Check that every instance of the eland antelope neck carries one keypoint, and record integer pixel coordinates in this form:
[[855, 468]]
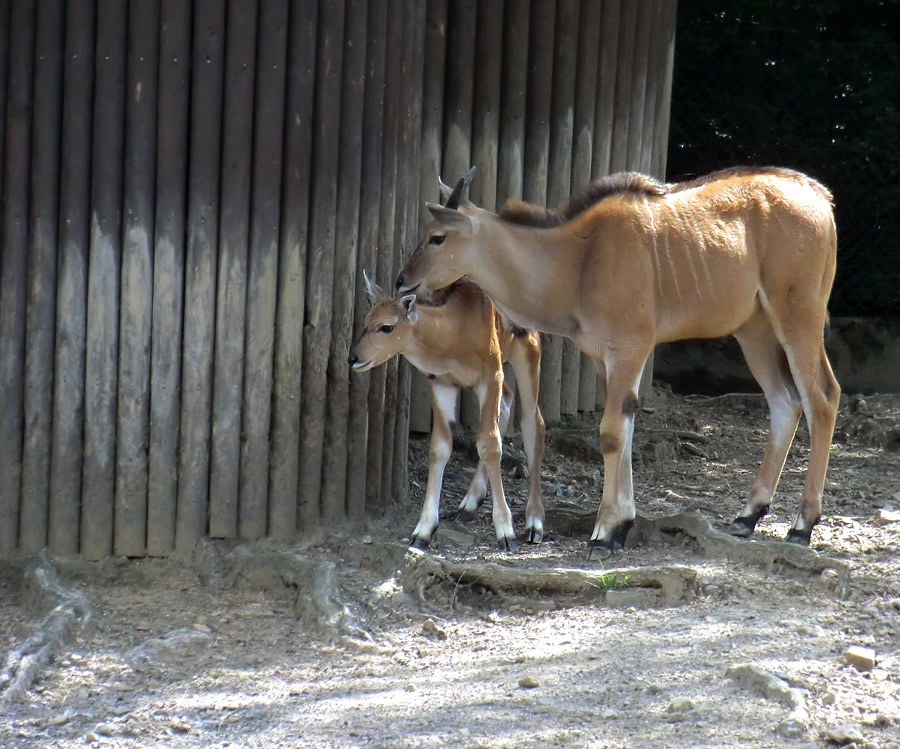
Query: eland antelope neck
[[631, 263], [463, 343]]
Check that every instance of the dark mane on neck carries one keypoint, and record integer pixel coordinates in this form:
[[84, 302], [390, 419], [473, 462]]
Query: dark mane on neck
[[516, 212]]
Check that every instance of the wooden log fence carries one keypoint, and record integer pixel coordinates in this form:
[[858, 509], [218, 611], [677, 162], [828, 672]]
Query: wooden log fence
[[190, 193]]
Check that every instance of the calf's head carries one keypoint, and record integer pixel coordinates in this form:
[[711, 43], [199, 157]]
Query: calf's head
[[387, 331]]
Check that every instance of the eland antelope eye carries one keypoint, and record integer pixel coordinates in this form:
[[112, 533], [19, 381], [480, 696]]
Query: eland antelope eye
[[437, 239], [386, 329]]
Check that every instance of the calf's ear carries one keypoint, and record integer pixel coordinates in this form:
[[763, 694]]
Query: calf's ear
[[408, 306]]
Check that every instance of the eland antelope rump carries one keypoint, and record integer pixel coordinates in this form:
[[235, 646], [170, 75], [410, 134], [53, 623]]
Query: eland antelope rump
[[632, 263], [463, 343]]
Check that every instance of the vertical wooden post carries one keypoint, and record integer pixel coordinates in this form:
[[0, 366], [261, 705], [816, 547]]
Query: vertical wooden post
[[619, 156], [41, 303], [601, 159], [13, 265], [168, 273], [361, 452], [231, 286], [430, 166], [200, 272], [262, 269], [664, 90], [511, 147], [537, 157], [334, 465], [562, 354], [414, 40], [383, 387], [320, 258], [586, 89], [72, 269], [136, 308], [101, 365], [293, 238], [459, 88]]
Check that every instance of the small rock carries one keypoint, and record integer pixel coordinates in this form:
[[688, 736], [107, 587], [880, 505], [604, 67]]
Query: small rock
[[90, 737], [829, 698], [681, 705], [59, 718], [528, 682], [862, 659], [886, 517], [410, 687], [844, 734], [654, 689], [202, 627], [452, 537], [791, 728], [105, 729], [609, 714], [675, 717], [430, 629]]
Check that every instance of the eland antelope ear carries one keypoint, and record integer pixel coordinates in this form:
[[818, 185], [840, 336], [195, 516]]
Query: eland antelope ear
[[408, 306], [451, 217], [373, 289]]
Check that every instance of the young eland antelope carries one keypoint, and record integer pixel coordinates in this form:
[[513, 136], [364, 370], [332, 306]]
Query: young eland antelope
[[463, 343], [631, 263]]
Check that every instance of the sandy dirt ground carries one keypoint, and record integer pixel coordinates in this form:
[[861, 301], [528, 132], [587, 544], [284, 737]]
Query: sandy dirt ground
[[185, 654]]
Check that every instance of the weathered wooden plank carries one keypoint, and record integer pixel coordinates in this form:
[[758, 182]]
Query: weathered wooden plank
[[13, 267], [408, 197], [231, 285], [200, 271], [136, 312], [638, 88], [486, 107], [664, 89], [586, 87], [511, 149], [262, 280], [601, 159], [655, 56], [72, 271], [619, 155], [393, 105], [101, 362], [462, 24], [536, 168], [563, 354], [358, 457], [293, 239], [168, 273], [41, 303], [435, 53], [320, 258], [606, 88], [334, 466]]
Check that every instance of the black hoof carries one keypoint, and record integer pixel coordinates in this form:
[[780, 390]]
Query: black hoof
[[610, 543], [507, 544], [801, 538], [463, 517], [419, 543], [743, 527], [534, 536]]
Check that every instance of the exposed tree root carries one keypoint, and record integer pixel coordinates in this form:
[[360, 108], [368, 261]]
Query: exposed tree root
[[712, 542], [669, 585], [70, 610], [318, 597]]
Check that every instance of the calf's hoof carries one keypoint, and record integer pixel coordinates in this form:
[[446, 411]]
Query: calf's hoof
[[743, 526], [533, 535], [419, 543], [610, 542], [507, 544], [801, 538]]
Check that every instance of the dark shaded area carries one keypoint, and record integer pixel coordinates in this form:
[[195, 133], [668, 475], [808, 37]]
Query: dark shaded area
[[809, 86]]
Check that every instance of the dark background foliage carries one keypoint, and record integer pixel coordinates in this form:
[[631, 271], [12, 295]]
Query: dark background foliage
[[814, 86]]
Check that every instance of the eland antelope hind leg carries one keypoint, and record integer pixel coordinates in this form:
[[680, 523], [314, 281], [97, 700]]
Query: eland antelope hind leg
[[478, 486], [525, 358]]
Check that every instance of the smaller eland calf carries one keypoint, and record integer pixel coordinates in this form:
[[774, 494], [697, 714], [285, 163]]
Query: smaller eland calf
[[462, 342]]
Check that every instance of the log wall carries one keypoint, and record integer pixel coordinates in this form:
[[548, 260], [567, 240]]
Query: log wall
[[190, 193]]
